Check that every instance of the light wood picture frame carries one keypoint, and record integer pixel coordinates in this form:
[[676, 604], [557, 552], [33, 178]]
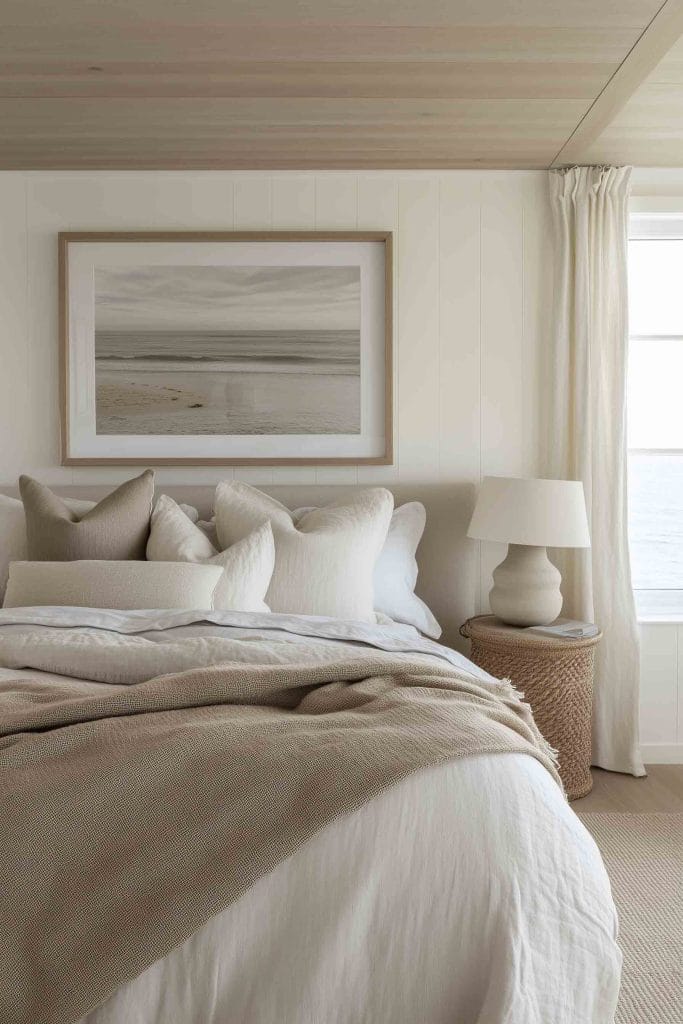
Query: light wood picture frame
[[226, 348]]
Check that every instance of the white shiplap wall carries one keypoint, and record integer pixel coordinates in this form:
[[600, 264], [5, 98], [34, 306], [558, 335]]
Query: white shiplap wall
[[472, 291], [661, 692]]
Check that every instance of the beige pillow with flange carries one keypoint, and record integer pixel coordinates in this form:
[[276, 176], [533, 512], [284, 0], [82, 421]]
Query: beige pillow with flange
[[116, 528], [13, 544]]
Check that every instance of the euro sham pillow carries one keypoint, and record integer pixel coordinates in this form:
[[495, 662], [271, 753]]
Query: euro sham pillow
[[396, 570], [115, 529], [247, 565], [13, 542], [323, 564], [125, 585]]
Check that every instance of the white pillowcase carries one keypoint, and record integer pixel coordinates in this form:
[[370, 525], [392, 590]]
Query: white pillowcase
[[396, 569], [125, 585], [13, 544], [247, 565], [324, 564]]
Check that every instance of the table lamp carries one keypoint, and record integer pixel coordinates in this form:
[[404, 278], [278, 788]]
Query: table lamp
[[529, 515]]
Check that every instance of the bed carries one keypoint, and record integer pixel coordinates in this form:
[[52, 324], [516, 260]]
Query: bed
[[460, 889]]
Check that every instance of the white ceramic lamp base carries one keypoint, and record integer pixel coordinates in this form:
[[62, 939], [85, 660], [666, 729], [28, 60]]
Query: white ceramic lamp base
[[526, 589]]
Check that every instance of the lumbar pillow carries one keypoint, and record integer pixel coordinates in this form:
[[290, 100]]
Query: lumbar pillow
[[247, 565], [114, 529], [324, 564], [112, 584], [396, 569]]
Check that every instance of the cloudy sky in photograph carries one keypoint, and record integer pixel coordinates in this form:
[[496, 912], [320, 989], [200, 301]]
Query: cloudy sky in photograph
[[227, 298]]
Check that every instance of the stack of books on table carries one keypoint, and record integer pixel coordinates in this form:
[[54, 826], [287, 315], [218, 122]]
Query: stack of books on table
[[567, 629]]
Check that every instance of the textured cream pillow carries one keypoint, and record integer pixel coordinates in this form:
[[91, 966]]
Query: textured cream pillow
[[396, 568], [324, 564], [103, 584], [247, 565], [115, 528]]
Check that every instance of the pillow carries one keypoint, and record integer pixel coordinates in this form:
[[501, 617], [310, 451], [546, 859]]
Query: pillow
[[396, 569], [247, 565], [324, 564], [208, 528], [108, 584], [13, 543], [116, 528]]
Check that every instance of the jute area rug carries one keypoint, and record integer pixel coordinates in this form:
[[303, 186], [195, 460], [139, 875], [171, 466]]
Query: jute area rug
[[644, 858]]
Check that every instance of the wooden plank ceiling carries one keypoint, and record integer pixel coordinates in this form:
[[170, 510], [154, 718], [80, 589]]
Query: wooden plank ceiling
[[324, 83]]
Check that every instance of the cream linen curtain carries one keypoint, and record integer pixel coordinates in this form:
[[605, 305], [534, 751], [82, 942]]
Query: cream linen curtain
[[586, 436]]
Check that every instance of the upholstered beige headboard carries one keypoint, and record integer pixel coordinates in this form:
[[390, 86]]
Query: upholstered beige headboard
[[449, 564]]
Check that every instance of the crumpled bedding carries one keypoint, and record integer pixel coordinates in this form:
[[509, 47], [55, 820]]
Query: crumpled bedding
[[483, 899]]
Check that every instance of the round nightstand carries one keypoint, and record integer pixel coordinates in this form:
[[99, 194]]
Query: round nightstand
[[556, 677]]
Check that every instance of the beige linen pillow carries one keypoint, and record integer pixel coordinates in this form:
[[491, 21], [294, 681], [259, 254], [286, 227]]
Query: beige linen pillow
[[247, 565], [112, 584], [13, 543], [324, 564], [116, 528]]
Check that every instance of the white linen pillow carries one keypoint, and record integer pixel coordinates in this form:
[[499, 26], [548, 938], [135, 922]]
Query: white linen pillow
[[13, 541], [396, 569], [247, 565], [324, 564], [124, 585]]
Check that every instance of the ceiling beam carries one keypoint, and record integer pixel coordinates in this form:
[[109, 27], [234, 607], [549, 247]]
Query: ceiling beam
[[654, 43]]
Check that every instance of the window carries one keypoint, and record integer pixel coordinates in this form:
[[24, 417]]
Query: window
[[655, 414]]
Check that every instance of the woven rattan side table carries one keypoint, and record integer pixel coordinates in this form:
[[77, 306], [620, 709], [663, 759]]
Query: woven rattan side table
[[556, 678]]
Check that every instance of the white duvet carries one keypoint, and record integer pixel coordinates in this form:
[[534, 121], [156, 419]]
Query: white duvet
[[482, 900]]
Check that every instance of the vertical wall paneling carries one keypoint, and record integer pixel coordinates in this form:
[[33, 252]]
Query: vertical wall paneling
[[417, 340], [50, 208], [336, 202], [378, 211], [537, 267], [293, 202], [459, 287], [15, 380], [253, 203], [659, 692], [294, 207], [336, 209], [502, 341]]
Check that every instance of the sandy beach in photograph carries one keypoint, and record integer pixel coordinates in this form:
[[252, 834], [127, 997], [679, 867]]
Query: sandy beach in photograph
[[285, 400], [227, 350]]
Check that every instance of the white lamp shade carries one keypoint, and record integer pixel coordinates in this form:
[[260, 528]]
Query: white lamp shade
[[544, 513]]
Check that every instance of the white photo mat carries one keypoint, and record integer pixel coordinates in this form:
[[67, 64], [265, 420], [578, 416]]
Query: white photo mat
[[83, 254]]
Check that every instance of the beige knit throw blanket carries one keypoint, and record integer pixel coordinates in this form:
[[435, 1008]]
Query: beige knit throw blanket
[[131, 814]]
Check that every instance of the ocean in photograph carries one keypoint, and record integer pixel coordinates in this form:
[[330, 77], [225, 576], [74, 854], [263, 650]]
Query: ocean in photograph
[[656, 531], [227, 382]]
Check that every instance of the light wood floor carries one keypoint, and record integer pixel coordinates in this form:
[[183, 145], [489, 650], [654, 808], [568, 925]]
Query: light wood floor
[[661, 791]]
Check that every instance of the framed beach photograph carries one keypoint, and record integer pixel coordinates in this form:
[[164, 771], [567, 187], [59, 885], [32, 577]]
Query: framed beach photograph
[[226, 348]]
